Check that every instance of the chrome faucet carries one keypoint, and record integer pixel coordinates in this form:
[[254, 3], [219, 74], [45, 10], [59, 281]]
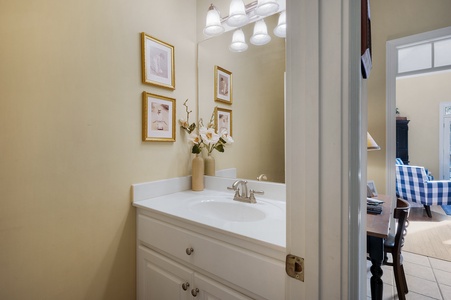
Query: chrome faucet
[[243, 184], [242, 194]]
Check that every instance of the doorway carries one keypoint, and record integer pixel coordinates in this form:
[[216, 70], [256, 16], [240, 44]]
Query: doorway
[[410, 56]]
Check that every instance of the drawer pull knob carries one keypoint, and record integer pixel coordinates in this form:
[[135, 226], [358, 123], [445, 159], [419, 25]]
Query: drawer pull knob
[[189, 250], [185, 286], [194, 292]]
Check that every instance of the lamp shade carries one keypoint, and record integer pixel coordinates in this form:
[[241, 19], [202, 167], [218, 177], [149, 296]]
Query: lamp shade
[[237, 14], [266, 7], [238, 42], [371, 144], [213, 24], [260, 36], [281, 28]]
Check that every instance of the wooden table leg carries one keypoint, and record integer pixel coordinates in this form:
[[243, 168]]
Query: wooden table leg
[[375, 248]]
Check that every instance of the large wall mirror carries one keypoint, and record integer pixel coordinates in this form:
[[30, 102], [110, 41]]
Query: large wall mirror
[[258, 102]]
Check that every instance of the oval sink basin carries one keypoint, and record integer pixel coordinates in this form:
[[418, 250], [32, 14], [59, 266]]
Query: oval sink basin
[[229, 211]]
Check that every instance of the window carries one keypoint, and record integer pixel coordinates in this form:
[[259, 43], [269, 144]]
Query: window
[[433, 55], [442, 53], [415, 58]]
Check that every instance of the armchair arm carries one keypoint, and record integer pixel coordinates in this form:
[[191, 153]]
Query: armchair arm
[[438, 192]]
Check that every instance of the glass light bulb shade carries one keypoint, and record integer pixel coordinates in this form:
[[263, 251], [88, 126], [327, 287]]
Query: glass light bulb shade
[[213, 24], [238, 42], [266, 7], [237, 14], [260, 36], [281, 29]]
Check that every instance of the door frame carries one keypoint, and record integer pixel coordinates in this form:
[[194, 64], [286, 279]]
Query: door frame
[[444, 142], [326, 149]]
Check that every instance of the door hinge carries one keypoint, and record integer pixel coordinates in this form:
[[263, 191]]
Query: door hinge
[[294, 266]]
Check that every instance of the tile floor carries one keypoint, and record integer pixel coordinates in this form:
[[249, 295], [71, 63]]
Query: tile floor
[[427, 278]]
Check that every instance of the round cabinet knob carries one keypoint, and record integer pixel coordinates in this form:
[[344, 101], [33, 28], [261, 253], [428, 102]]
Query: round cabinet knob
[[189, 250], [194, 292], [185, 286]]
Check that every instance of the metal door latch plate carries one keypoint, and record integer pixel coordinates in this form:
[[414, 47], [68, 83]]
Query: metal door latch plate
[[294, 266]]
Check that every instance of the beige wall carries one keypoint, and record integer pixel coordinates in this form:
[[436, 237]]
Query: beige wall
[[392, 20], [257, 106], [418, 98], [70, 141]]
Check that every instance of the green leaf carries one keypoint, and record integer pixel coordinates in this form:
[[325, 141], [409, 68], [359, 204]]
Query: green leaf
[[220, 148], [196, 149], [192, 127]]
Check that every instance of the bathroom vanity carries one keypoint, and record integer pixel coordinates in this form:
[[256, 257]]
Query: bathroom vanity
[[205, 245]]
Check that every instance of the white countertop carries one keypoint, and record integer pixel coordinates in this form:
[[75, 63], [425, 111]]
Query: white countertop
[[263, 221]]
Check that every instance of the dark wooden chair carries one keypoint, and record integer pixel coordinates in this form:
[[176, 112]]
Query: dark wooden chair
[[393, 245]]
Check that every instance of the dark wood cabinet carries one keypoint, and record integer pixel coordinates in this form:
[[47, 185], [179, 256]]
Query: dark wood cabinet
[[402, 140]]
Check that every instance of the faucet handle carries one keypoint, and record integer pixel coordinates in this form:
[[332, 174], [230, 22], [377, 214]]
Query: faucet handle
[[262, 177], [252, 195], [257, 192], [236, 189]]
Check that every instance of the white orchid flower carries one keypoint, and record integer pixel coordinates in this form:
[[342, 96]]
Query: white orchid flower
[[209, 135], [194, 138], [226, 137], [184, 123]]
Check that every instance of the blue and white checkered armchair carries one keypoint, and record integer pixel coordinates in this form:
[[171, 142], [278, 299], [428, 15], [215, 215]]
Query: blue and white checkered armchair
[[414, 185]]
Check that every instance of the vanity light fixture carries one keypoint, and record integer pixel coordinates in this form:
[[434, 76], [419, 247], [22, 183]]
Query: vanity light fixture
[[237, 14], [260, 36], [281, 28], [240, 15], [213, 26], [238, 41], [266, 7]]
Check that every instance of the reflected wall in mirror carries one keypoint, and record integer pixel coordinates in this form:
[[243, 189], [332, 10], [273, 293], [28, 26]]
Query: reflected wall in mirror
[[258, 102]]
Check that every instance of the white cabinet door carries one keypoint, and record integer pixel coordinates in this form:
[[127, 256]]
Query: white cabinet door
[[209, 289], [160, 278]]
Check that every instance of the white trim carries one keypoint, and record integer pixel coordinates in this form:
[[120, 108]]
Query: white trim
[[302, 89], [422, 37], [444, 142], [357, 155], [324, 149], [390, 154]]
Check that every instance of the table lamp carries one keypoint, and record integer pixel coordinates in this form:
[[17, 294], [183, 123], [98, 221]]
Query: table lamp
[[371, 144]]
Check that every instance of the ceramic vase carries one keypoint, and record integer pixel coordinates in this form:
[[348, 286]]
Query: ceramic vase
[[210, 165], [197, 174]]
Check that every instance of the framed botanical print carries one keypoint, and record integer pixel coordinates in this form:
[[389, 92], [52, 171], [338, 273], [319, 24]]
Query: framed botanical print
[[223, 85], [223, 120], [158, 62], [158, 118]]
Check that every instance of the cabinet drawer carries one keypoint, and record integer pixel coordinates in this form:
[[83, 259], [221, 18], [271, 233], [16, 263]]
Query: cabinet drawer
[[257, 273]]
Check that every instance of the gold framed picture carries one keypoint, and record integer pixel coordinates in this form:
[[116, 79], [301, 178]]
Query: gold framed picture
[[223, 85], [158, 62], [223, 120], [158, 118]]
